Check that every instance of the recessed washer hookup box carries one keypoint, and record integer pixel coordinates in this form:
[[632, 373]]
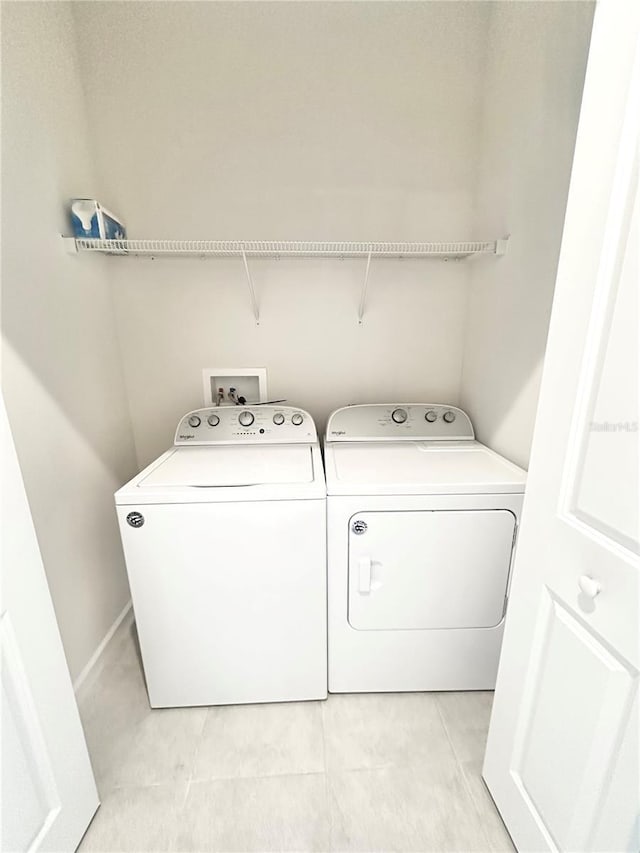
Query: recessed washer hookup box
[[91, 220]]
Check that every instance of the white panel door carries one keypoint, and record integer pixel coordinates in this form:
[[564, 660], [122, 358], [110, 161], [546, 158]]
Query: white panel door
[[48, 792], [429, 569], [563, 756]]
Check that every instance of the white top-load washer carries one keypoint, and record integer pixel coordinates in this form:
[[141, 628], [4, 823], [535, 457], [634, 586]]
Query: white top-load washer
[[225, 544], [421, 527]]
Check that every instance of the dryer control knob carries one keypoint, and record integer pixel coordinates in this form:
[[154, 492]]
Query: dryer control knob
[[278, 419], [194, 421], [245, 419], [399, 415], [449, 417], [296, 419], [213, 420], [431, 416]]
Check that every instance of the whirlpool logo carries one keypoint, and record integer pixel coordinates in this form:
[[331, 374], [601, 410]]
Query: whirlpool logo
[[338, 432], [185, 436]]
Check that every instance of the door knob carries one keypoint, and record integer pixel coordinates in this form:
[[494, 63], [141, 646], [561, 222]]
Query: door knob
[[589, 586]]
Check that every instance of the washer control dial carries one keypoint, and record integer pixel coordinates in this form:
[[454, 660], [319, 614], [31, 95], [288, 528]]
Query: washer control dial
[[245, 419], [399, 416], [431, 416], [194, 421], [278, 419], [449, 417], [297, 419], [213, 420]]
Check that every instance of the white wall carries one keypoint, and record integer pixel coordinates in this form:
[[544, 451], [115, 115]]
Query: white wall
[[278, 121], [177, 317], [62, 378], [533, 87], [336, 121]]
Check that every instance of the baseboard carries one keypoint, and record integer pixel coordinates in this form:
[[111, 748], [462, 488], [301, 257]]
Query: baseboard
[[95, 657]]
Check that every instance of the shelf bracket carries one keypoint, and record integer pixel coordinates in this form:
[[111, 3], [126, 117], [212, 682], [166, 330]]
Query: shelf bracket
[[363, 297], [252, 292], [501, 245]]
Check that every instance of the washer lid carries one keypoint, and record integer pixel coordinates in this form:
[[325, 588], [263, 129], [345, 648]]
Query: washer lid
[[429, 467], [232, 465]]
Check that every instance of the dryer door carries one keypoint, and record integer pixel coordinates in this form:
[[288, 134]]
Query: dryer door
[[429, 569]]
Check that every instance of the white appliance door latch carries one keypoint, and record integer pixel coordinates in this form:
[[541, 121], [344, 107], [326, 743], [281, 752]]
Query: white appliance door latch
[[364, 574]]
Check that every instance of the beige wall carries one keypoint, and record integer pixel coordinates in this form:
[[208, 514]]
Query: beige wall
[[533, 87], [61, 372], [329, 121], [325, 121]]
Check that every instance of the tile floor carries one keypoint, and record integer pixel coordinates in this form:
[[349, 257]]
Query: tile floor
[[385, 772]]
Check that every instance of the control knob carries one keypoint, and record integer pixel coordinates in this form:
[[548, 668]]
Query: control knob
[[194, 421], [449, 417], [245, 419], [431, 416], [296, 419], [399, 415], [213, 420], [278, 419]]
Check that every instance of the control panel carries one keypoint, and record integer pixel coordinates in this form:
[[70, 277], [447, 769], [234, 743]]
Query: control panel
[[395, 421], [246, 425]]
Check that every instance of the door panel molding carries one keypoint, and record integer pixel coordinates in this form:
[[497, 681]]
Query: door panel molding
[[32, 744], [616, 251], [610, 703]]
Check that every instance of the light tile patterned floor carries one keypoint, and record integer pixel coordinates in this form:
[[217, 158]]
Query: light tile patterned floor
[[383, 772]]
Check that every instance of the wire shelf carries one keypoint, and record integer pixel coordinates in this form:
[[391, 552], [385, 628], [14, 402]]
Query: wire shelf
[[246, 249], [287, 249]]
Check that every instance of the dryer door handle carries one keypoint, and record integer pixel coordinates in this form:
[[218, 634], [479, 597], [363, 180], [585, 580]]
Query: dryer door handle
[[364, 574]]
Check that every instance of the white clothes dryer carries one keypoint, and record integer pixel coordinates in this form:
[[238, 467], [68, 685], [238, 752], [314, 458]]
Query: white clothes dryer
[[225, 544], [421, 526]]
